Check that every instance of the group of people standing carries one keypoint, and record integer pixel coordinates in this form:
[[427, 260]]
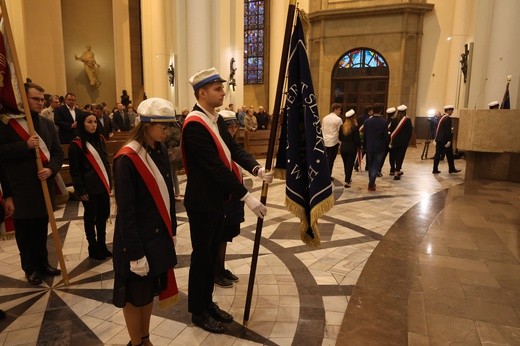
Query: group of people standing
[[378, 136], [145, 228]]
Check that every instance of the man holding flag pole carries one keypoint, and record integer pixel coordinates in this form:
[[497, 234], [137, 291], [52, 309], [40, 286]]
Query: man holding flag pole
[[30, 154]]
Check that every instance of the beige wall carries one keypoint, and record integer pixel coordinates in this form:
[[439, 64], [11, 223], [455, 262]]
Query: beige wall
[[394, 31], [39, 42], [89, 22]]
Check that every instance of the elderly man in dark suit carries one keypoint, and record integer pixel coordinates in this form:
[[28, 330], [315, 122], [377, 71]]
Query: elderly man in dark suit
[[65, 118], [18, 161], [376, 139], [210, 156]]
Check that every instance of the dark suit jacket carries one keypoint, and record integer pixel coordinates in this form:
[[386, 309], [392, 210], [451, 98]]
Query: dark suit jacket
[[19, 165], [107, 128], [139, 226], [210, 182], [63, 119], [349, 143], [444, 134], [376, 136], [84, 177], [402, 138], [121, 121]]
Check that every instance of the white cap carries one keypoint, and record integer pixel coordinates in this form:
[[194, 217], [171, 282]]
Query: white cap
[[228, 115], [204, 77], [448, 107], [350, 113], [156, 109], [493, 104], [390, 110], [402, 108]]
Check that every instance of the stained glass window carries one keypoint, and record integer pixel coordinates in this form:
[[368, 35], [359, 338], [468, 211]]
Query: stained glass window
[[361, 58], [254, 15]]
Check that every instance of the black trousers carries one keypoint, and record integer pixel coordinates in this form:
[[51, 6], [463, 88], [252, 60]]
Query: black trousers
[[332, 152], [206, 236], [397, 155], [441, 150], [392, 158], [97, 211], [31, 238], [348, 164]]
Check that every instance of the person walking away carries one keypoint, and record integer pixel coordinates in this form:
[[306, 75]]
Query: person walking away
[[330, 126], [400, 134], [376, 139], [350, 144]]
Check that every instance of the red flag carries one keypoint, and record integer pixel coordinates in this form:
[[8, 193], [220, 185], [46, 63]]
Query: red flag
[[9, 95]]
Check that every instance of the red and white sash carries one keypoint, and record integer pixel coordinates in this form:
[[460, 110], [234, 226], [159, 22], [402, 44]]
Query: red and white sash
[[152, 177], [398, 128], [156, 184], [212, 128], [19, 125], [96, 162], [440, 124]]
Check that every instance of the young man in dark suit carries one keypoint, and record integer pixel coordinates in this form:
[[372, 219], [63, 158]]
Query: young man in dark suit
[[444, 141], [18, 161], [376, 139], [209, 156]]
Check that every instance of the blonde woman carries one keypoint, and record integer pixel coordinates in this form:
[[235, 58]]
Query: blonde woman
[[350, 144]]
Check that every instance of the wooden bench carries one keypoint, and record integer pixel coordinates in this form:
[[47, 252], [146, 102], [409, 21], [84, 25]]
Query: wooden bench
[[256, 143]]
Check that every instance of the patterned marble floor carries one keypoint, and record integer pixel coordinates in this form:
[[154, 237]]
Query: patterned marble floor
[[302, 295]]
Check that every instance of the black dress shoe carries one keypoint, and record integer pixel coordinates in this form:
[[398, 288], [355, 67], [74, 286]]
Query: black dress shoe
[[436, 172], [51, 271], [455, 171], [206, 322], [2, 314], [219, 314], [34, 278]]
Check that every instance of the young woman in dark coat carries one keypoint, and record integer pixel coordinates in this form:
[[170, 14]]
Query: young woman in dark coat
[[90, 173], [144, 252]]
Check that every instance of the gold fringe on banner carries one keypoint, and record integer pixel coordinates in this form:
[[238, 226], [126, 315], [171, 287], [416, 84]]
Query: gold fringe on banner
[[318, 211]]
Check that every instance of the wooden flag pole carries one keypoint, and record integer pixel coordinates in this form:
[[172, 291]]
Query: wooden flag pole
[[25, 102], [270, 152]]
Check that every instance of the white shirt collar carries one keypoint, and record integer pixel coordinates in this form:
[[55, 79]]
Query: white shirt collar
[[211, 116]]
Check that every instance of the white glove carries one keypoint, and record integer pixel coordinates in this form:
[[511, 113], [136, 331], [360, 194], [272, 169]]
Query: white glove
[[265, 176], [390, 146], [174, 240], [254, 205], [447, 144], [140, 267]]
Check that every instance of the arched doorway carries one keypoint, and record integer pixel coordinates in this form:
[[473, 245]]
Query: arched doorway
[[359, 79]]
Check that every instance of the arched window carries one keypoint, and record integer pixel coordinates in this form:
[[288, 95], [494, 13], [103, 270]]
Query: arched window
[[360, 78], [254, 21]]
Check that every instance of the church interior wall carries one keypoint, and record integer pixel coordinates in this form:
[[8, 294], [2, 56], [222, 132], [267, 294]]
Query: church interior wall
[[89, 23]]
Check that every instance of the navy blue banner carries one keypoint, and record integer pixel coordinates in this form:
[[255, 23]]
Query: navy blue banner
[[309, 188]]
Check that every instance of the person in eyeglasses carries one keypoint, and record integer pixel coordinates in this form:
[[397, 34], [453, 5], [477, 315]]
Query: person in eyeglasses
[[143, 247], [18, 162]]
